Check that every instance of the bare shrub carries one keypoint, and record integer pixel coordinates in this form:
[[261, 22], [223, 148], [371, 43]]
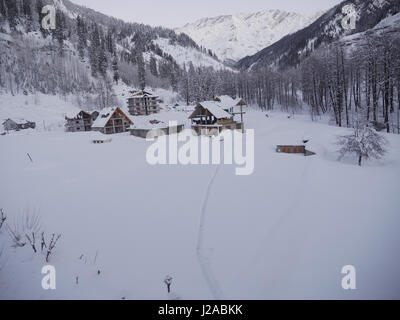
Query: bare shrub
[[23, 228], [43, 243], [27, 229], [51, 246], [32, 241]]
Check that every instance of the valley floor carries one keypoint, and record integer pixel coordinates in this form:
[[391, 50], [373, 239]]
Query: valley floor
[[285, 231]]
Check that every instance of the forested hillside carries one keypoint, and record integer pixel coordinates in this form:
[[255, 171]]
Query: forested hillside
[[87, 52]]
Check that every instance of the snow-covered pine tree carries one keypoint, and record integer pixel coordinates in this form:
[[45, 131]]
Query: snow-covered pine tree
[[153, 66], [27, 12], [115, 68], [3, 11], [12, 12], [94, 49], [110, 43], [102, 58], [26, 8], [141, 70], [184, 86], [174, 75], [82, 37], [189, 88], [59, 32]]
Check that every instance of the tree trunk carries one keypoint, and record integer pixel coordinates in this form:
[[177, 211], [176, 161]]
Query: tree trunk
[[374, 93], [368, 92], [398, 107]]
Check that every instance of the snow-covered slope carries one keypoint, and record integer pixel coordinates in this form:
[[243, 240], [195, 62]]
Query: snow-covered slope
[[185, 55], [233, 37]]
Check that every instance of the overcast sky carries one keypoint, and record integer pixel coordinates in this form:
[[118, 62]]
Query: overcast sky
[[175, 13]]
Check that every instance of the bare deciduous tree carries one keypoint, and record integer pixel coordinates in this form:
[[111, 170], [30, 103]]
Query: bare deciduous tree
[[168, 282], [52, 245], [3, 218], [32, 241], [43, 243], [27, 224], [365, 142]]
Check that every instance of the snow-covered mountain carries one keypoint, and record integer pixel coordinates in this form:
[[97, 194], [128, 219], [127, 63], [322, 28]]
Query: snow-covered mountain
[[233, 37], [292, 49]]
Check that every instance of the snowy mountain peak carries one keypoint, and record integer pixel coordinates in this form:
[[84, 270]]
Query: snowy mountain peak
[[292, 49], [232, 37]]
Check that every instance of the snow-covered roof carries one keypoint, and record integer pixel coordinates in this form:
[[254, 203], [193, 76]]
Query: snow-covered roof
[[154, 121], [214, 108], [105, 115], [143, 94], [74, 114], [228, 102]]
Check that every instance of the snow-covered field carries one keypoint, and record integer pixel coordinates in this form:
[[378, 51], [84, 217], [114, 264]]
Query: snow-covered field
[[285, 231]]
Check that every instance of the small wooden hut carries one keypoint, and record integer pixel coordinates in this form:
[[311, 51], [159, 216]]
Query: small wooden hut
[[291, 149]]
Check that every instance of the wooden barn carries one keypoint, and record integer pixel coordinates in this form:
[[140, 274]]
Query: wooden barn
[[112, 120], [82, 121], [18, 124], [208, 118], [143, 103]]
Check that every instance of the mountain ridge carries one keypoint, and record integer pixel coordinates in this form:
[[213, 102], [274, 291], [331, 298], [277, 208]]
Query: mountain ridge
[[293, 48], [232, 37]]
